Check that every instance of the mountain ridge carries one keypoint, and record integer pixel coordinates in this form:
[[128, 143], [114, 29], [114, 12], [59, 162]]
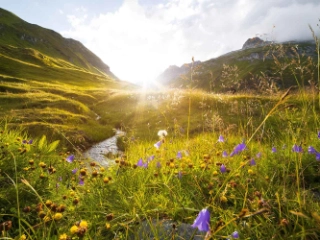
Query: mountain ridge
[[26, 35], [234, 70]]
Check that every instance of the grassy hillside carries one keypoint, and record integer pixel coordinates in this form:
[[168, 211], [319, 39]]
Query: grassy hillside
[[30, 37], [261, 69], [49, 84]]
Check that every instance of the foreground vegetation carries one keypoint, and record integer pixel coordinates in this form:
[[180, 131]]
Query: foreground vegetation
[[256, 182], [195, 165]]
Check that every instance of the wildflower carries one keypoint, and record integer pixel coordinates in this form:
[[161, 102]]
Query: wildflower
[[318, 134], [48, 203], [42, 164], [223, 199], [296, 148], [162, 133], [221, 138], [235, 234], [202, 221], [258, 155], [274, 150], [312, 150], [81, 182], [57, 216], [318, 156], [63, 237], [141, 163], [158, 165], [224, 154], [150, 158], [74, 171], [27, 142], [83, 224], [252, 162], [158, 144], [179, 155], [23, 237], [239, 148], [70, 158], [74, 229], [108, 225], [223, 168]]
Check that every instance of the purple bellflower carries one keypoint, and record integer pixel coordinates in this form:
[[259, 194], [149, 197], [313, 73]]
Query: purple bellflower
[[252, 162], [318, 134], [202, 222], [312, 150], [235, 234], [296, 148], [142, 164], [158, 165], [273, 150], [258, 155], [318, 156], [237, 149], [157, 144], [224, 154], [70, 158], [179, 155], [223, 168], [221, 138], [81, 182]]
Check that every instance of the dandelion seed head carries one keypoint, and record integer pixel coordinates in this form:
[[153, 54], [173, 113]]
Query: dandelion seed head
[[162, 133]]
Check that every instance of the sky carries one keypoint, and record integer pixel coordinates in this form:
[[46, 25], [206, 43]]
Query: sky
[[139, 39]]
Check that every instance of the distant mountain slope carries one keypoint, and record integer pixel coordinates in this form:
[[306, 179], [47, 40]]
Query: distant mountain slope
[[51, 85], [23, 35], [259, 65]]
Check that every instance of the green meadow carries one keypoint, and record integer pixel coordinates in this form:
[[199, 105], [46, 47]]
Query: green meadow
[[196, 162]]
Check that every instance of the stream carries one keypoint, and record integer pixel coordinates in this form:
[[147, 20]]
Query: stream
[[100, 151]]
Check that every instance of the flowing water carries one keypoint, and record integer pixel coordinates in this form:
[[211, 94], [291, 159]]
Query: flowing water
[[101, 150]]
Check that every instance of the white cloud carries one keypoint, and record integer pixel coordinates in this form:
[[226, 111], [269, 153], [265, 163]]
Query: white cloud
[[139, 42]]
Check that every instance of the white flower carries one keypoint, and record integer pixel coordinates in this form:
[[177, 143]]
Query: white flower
[[162, 133]]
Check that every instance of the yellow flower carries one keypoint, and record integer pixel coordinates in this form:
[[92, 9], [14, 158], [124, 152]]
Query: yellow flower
[[63, 237], [23, 237], [223, 199], [108, 225], [83, 224], [250, 171], [57, 216], [46, 219], [74, 229]]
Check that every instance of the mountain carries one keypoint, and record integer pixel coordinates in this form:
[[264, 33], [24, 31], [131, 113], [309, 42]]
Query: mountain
[[173, 72], [258, 66], [22, 35], [52, 85]]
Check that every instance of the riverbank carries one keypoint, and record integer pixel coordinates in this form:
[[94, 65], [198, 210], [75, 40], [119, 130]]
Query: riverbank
[[99, 152]]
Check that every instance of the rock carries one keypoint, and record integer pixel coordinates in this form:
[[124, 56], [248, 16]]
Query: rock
[[254, 42], [166, 229]]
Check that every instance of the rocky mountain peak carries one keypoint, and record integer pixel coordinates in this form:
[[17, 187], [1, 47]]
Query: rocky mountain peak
[[254, 42]]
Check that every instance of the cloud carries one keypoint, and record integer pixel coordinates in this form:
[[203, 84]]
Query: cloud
[[138, 41]]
